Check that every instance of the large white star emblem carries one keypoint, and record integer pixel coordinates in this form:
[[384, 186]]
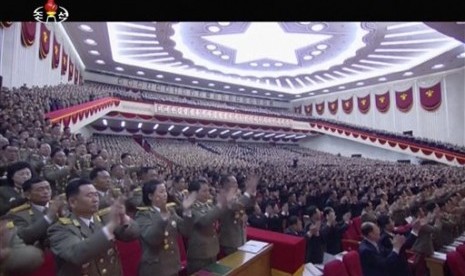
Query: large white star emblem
[[266, 41]]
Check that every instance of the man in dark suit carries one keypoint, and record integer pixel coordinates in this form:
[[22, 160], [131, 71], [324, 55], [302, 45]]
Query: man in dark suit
[[295, 227], [257, 219], [374, 263], [81, 242], [332, 231]]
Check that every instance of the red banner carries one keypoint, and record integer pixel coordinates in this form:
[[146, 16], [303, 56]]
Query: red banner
[[5, 24], [298, 109], [404, 100], [64, 62], [71, 70], [76, 76], [28, 33], [430, 97], [364, 104], [320, 108], [44, 41], [348, 105], [383, 102], [56, 53], [309, 109], [332, 106]]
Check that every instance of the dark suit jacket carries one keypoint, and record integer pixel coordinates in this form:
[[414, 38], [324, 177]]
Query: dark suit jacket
[[374, 263], [332, 237], [258, 221], [385, 246]]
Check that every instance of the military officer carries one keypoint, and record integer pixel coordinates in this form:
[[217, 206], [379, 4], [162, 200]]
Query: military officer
[[203, 245], [232, 232], [15, 256], [82, 161], [11, 195], [33, 218], [160, 227], [81, 243], [57, 172], [42, 158]]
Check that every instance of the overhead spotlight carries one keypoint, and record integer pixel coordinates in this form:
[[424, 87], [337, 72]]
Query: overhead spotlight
[[199, 130], [237, 132], [184, 129], [224, 132], [171, 127], [259, 134], [123, 123], [139, 125], [290, 136], [248, 133], [155, 126], [212, 131], [280, 135], [270, 135]]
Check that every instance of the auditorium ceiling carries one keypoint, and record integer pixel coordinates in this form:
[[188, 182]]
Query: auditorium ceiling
[[278, 60]]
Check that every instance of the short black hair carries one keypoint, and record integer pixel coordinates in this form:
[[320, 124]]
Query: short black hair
[[13, 168], [94, 173], [383, 220], [367, 228], [194, 186], [55, 151], [293, 220], [430, 207], [115, 165], [311, 210], [145, 170], [414, 210], [327, 210], [224, 179], [124, 155], [72, 188], [149, 188], [27, 185]]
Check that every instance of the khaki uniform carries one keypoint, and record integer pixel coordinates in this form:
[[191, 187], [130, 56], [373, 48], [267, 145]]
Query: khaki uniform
[[9, 198], [31, 224], [203, 245], [232, 234], [58, 177], [38, 162], [79, 251], [22, 258], [159, 241]]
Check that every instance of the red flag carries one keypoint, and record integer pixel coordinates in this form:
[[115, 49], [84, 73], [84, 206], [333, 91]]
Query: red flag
[[28, 33], [404, 100], [383, 102], [44, 41], [71, 69], [332, 106], [309, 109], [320, 108], [56, 53], [64, 62], [348, 105], [430, 97], [364, 104]]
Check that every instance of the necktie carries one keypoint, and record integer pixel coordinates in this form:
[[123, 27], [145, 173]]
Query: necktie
[[91, 226]]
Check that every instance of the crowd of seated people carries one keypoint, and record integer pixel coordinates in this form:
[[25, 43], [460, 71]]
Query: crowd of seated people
[[314, 199]]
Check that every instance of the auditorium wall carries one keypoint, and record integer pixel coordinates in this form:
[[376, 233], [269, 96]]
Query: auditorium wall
[[21, 65], [446, 123], [344, 147]]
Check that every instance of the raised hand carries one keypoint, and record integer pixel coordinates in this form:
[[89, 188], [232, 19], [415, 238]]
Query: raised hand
[[189, 200], [251, 184], [56, 206]]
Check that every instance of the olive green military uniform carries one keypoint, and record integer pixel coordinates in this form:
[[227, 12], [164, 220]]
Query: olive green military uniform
[[38, 162], [83, 167], [9, 198], [203, 245], [159, 240], [58, 177], [81, 251], [232, 227], [31, 224]]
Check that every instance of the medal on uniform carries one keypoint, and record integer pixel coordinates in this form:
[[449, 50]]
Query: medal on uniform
[[173, 223]]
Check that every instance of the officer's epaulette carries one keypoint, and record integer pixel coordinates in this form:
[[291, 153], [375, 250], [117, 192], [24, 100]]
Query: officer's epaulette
[[64, 220], [170, 204], [103, 211], [143, 208], [10, 225], [20, 208], [138, 189]]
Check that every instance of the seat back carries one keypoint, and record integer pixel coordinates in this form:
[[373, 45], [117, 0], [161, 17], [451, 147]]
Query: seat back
[[461, 250], [352, 263], [335, 268], [48, 267], [455, 263], [182, 250], [130, 254]]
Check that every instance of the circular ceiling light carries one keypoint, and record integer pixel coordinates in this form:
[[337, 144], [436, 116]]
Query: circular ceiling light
[[318, 27], [214, 29], [360, 83], [177, 79], [326, 91], [195, 82], [211, 84], [322, 47], [216, 53], [280, 95], [297, 96], [438, 66], [160, 76], [311, 94], [267, 93], [224, 23], [462, 55], [406, 74], [227, 87], [342, 87], [253, 64], [140, 73], [278, 64], [94, 52], [307, 57], [119, 69], [266, 65], [241, 89], [99, 61], [382, 79], [90, 42], [225, 57], [254, 91], [85, 28], [211, 47], [316, 52]]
